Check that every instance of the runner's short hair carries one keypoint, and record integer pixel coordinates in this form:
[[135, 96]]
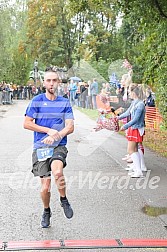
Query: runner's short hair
[[61, 72]]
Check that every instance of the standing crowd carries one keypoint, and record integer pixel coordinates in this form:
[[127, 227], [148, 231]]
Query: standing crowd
[[81, 94], [10, 91], [6, 93]]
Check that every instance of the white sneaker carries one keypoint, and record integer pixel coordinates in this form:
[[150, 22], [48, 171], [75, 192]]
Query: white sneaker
[[144, 168], [137, 175], [129, 160], [130, 168], [131, 173], [130, 165], [126, 157]]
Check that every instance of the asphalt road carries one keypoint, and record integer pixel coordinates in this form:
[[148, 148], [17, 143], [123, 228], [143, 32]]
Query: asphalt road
[[107, 203]]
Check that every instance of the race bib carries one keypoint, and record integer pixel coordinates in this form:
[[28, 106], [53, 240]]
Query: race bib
[[44, 153]]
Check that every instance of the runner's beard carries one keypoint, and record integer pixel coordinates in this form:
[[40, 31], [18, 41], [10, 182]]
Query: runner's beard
[[53, 91]]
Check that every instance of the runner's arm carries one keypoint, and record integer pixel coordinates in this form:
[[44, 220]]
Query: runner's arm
[[69, 128], [30, 125]]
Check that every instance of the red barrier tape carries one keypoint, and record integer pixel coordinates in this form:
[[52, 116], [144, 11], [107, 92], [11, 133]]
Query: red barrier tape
[[91, 243], [33, 244], [82, 244], [145, 243]]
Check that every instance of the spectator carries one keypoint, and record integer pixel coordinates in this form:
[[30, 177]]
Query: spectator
[[126, 80], [83, 94], [72, 91], [135, 129], [33, 91], [89, 104], [108, 89], [94, 92], [61, 89], [149, 101], [1, 94], [104, 97], [25, 92], [29, 91], [77, 95]]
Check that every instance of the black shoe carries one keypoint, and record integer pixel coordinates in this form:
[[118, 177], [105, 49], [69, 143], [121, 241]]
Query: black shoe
[[46, 219], [67, 209]]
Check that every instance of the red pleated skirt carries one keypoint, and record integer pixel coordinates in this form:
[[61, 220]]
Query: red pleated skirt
[[134, 135]]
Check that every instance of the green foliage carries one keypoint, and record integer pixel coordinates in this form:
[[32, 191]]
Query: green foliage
[[14, 64], [102, 68], [89, 70], [96, 29], [19, 71], [6, 32], [50, 34], [116, 67], [144, 32]]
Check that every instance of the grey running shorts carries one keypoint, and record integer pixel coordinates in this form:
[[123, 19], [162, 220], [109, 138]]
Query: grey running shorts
[[43, 168]]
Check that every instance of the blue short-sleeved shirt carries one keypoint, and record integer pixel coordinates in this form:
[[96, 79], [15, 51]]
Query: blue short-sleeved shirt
[[51, 114]]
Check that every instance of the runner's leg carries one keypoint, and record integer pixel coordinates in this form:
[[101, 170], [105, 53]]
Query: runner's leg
[[45, 191], [57, 170]]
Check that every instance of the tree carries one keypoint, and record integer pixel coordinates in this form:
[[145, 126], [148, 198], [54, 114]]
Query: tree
[[96, 28], [50, 34], [145, 44], [6, 32], [13, 63]]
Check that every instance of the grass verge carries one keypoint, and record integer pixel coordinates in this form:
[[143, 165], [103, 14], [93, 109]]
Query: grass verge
[[154, 140], [91, 113]]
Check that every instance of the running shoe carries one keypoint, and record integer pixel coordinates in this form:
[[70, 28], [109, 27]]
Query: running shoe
[[45, 223], [67, 209]]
